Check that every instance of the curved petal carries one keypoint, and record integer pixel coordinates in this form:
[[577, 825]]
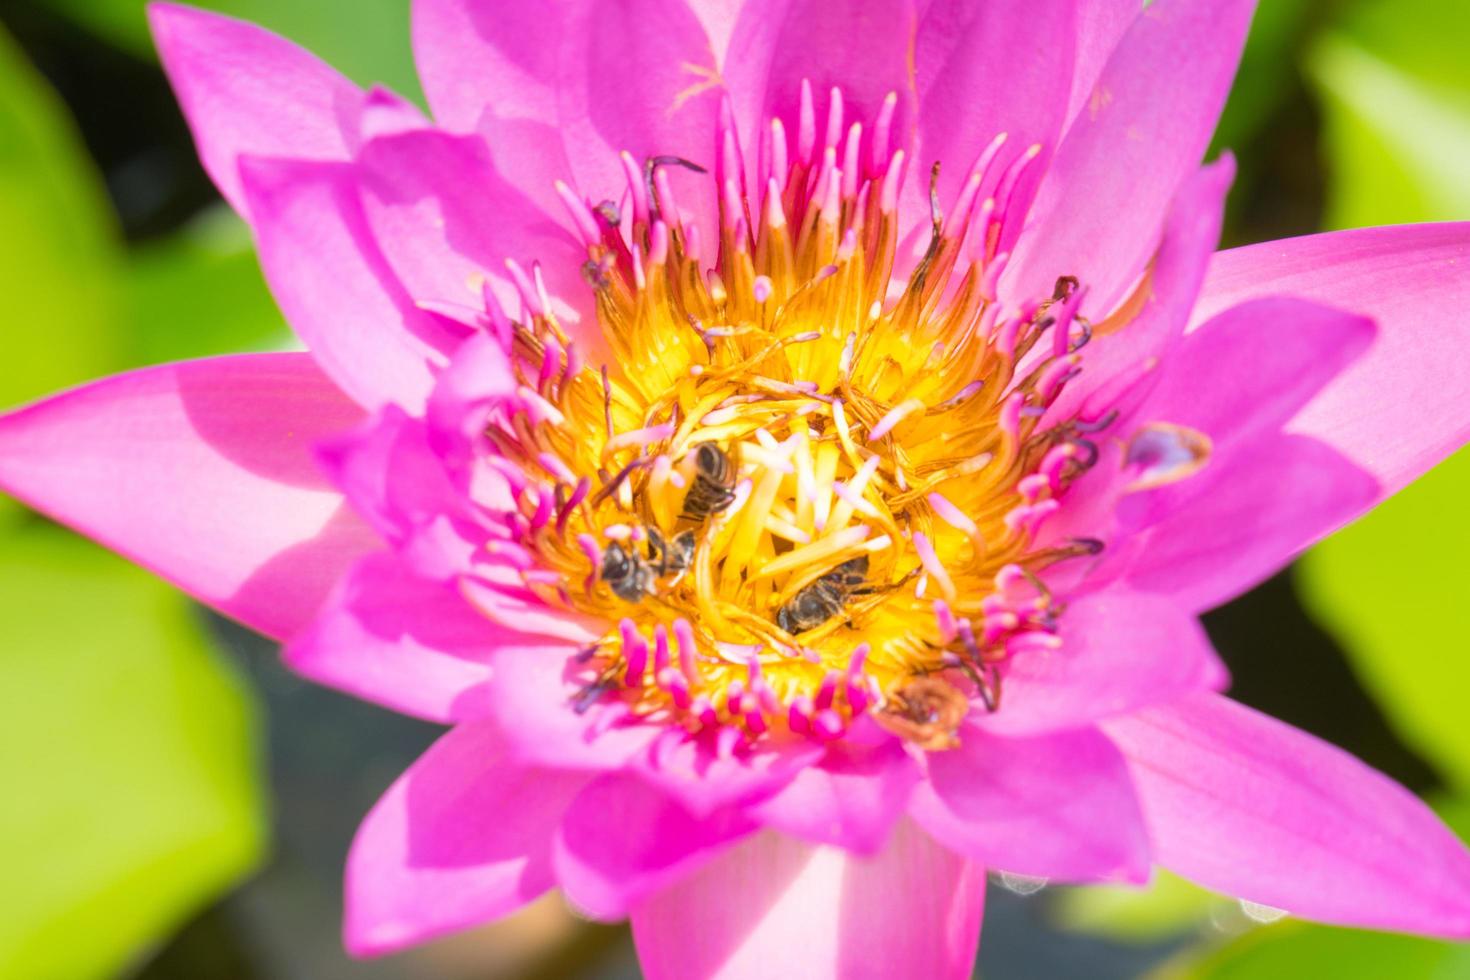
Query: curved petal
[[1254, 366], [447, 222], [201, 471], [1101, 25], [246, 91], [410, 644], [777, 905], [1257, 511], [852, 798], [704, 773], [1411, 280], [1057, 806], [334, 286], [983, 69], [392, 479], [1120, 651], [1247, 805], [536, 696], [605, 866], [559, 89], [1147, 123], [1237, 380], [461, 838]]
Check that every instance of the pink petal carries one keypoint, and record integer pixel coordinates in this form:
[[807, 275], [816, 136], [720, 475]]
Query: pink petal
[[1411, 280], [447, 222], [333, 285], [1121, 651], [1101, 25], [461, 838], [704, 775], [558, 89], [1119, 369], [1146, 125], [852, 798], [247, 92], [201, 471], [534, 698], [776, 906], [1258, 510], [1252, 367], [1057, 806], [623, 840], [1247, 805], [1238, 380], [494, 67], [862, 46], [985, 69], [402, 641], [393, 479]]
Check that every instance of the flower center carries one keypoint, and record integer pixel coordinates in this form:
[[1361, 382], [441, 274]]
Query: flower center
[[797, 492]]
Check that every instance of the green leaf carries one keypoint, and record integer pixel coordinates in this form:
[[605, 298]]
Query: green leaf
[[200, 292], [1167, 907], [1293, 950], [59, 258], [128, 750], [1398, 145], [367, 40]]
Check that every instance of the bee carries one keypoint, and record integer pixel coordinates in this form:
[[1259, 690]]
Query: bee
[[824, 598], [625, 571], [713, 487], [631, 576], [672, 557], [927, 711]]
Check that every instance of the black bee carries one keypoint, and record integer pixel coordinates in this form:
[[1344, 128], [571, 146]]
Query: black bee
[[673, 557], [631, 576], [713, 487], [824, 598]]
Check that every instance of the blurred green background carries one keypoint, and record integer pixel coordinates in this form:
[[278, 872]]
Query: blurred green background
[[180, 806]]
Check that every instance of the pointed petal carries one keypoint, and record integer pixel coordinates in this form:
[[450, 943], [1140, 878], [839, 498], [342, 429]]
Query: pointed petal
[[606, 866], [852, 798], [862, 46], [1237, 380], [1410, 280], [1055, 806], [1144, 130], [1101, 25], [461, 838], [535, 697], [334, 287], [1247, 805], [587, 78], [1120, 651], [777, 905], [247, 92], [1118, 368], [400, 487], [201, 471], [984, 69], [704, 775], [405, 642], [1254, 366], [1258, 511]]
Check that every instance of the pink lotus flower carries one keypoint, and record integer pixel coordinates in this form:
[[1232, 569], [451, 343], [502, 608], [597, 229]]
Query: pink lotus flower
[[791, 535]]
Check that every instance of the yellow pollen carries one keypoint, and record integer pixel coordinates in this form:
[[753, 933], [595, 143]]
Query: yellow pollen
[[798, 478]]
